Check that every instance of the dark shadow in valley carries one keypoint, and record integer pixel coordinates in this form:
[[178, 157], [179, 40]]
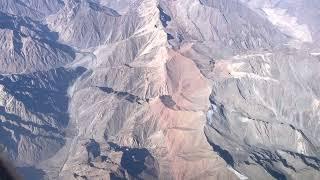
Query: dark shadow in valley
[[36, 30], [96, 6], [93, 149], [169, 36], [223, 153], [133, 159], [43, 92], [167, 101], [31, 173], [123, 95], [44, 95], [164, 18]]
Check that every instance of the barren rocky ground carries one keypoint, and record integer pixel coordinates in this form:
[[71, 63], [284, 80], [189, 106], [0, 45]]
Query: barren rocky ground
[[161, 89]]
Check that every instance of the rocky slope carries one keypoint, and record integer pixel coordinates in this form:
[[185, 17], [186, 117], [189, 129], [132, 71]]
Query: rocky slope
[[29, 46], [36, 9], [159, 89], [34, 113]]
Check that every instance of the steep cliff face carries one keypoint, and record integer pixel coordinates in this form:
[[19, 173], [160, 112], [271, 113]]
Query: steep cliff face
[[29, 46], [87, 23], [36, 9], [162, 89], [34, 113], [278, 134]]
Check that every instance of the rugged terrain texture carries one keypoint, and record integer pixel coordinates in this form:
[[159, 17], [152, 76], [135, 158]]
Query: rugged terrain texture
[[161, 89]]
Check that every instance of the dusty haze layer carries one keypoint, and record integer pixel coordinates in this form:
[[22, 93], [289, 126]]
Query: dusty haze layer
[[161, 89]]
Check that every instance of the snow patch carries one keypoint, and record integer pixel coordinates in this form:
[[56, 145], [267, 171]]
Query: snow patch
[[288, 24], [244, 119], [315, 54], [264, 56], [239, 175], [301, 148], [210, 114], [316, 104], [234, 72]]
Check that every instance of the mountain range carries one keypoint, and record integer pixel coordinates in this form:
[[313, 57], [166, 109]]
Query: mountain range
[[161, 89]]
